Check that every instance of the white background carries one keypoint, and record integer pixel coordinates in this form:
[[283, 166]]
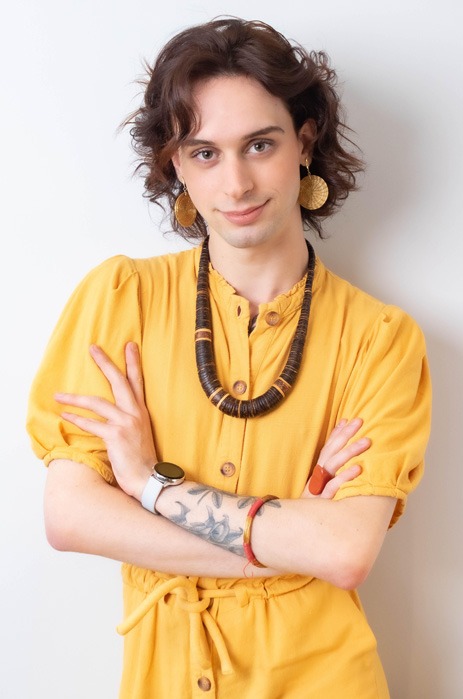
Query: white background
[[68, 201]]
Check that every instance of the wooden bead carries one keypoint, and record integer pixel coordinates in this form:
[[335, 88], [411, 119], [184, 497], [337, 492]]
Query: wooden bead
[[205, 362]]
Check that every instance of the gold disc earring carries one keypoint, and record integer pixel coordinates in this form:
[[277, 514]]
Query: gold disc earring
[[313, 192], [184, 209]]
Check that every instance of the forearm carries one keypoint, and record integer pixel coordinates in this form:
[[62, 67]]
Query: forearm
[[317, 537], [85, 514], [336, 541]]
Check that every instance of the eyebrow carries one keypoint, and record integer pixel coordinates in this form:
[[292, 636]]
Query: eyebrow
[[247, 137]]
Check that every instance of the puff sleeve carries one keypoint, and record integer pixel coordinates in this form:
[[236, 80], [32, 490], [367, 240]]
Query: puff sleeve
[[389, 388], [105, 310]]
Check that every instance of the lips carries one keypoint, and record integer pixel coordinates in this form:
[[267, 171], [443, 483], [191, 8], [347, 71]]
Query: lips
[[245, 217]]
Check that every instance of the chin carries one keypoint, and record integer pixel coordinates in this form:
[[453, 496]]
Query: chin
[[245, 237]]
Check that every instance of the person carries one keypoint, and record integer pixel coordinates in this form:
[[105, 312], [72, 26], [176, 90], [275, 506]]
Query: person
[[246, 425]]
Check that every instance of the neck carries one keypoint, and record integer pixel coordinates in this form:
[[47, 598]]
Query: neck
[[259, 274]]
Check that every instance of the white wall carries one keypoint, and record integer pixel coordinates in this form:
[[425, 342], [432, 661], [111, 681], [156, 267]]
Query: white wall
[[68, 202]]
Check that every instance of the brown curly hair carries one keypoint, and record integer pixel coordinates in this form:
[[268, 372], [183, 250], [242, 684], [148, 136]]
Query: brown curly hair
[[230, 47]]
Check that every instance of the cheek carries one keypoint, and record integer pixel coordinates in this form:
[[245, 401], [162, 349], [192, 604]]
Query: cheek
[[201, 193], [285, 169], [287, 179]]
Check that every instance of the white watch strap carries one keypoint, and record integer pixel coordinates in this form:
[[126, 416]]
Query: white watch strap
[[151, 493]]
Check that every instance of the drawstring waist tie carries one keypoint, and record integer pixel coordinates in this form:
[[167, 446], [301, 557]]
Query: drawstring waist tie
[[194, 595]]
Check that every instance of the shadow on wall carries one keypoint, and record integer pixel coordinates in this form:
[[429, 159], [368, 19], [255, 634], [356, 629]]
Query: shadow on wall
[[416, 579], [412, 596]]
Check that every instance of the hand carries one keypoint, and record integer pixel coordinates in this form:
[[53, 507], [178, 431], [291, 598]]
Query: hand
[[336, 453], [126, 429]]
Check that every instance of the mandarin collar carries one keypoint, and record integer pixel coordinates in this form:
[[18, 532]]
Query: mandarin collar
[[285, 303]]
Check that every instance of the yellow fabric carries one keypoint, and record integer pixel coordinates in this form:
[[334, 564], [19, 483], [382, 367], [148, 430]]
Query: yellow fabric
[[362, 358]]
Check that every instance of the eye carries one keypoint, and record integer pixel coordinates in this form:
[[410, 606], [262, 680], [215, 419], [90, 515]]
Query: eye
[[205, 154], [260, 146]]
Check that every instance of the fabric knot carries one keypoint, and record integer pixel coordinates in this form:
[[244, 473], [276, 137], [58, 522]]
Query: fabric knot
[[187, 598], [242, 596], [192, 607]]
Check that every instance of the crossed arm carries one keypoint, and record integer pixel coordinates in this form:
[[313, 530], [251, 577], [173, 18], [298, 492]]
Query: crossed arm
[[200, 532]]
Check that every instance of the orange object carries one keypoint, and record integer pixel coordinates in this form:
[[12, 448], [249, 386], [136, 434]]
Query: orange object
[[319, 479], [255, 507]]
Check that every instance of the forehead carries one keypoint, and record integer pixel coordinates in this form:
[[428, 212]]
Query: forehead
[[232, 106]]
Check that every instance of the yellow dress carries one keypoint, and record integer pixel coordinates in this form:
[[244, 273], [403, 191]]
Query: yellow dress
[[290, 636]]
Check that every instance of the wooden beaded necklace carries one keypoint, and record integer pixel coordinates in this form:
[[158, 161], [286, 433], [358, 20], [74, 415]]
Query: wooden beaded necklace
[[205, 362]]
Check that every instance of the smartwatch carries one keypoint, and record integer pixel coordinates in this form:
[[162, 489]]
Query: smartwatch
[[164, 474]]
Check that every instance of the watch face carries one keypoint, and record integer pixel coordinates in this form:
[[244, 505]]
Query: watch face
[[168, 470]]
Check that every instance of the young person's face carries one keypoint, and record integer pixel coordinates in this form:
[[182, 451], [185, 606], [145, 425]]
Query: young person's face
[[241, 165]]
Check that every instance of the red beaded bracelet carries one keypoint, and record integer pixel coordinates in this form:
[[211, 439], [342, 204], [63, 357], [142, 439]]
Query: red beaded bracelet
[[253, 510]]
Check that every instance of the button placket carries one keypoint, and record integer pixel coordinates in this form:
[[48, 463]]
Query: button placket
[[238, 372], [239, 387]]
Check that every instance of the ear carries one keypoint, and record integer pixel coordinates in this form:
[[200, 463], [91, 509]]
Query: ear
[[177, 167], [307, 136]]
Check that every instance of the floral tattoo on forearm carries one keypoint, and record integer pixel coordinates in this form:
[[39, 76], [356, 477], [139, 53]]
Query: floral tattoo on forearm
[[216, 527]]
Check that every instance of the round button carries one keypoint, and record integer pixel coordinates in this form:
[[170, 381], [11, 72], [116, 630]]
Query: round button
[[240, 387], [228, 469], [204, 683], [272, 318]]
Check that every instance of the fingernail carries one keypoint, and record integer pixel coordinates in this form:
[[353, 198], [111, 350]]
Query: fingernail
[[356, 467]]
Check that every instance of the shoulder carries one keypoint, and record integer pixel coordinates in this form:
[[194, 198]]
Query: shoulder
[[167, 270], [333, 287], [112, 272], [115, 272], [358, 309]]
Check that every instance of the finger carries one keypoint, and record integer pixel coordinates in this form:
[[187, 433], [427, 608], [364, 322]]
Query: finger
[[100, 406], [134, 374], [345, 430], [120, 386], [342, 423], [318, 480], [87, 424], [335, 483], [349, 451], [339, 437], [337, 431]]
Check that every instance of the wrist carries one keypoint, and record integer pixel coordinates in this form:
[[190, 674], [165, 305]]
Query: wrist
[[166, 502], [164, 476], [140, 483], [133, 484]]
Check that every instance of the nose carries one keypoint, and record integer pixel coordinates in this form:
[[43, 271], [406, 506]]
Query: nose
[[237, 178]]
